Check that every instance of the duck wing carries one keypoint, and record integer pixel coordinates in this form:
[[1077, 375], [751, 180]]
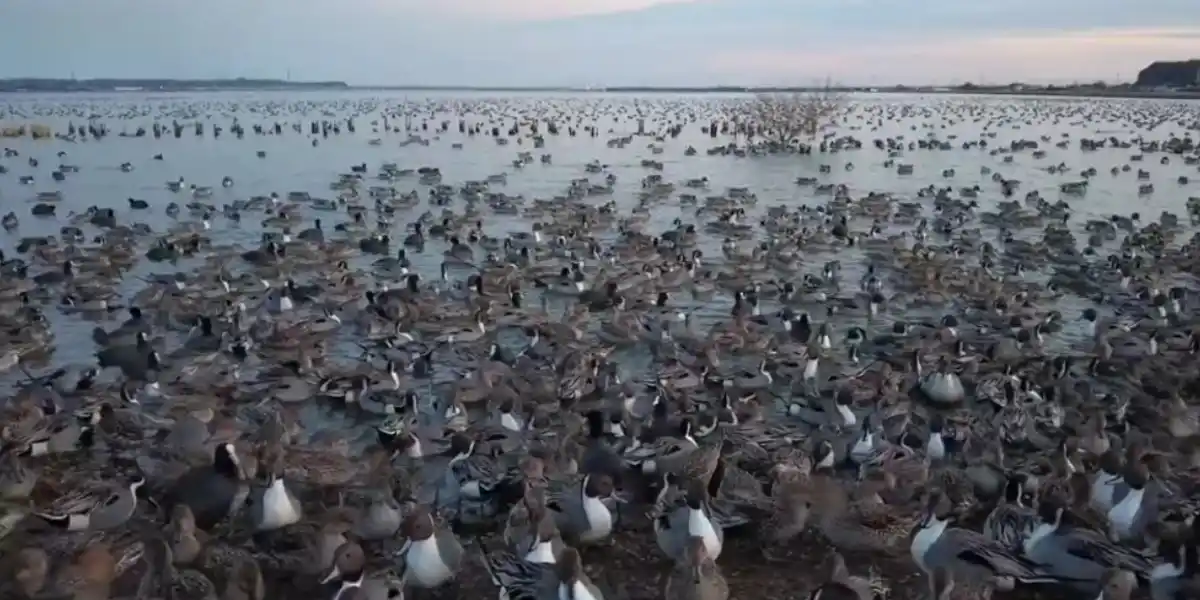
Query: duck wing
[[973, 548], [1090, 545]]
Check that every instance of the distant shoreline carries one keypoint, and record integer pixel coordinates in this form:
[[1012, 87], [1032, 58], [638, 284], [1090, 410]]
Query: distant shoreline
[[67, 86], [33, 85]]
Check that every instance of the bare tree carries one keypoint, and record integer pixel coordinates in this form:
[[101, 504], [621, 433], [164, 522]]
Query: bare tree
[[784, 118]]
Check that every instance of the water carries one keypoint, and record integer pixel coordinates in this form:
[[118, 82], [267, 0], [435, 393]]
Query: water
[[293, 164]]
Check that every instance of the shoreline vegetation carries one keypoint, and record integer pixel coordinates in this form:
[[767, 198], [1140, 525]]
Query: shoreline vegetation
[[38, 85]]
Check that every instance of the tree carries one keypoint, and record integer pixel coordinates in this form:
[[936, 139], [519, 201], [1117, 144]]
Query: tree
[[783, 118]]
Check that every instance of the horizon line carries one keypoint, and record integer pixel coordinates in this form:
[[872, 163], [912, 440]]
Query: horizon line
[[718, 87]]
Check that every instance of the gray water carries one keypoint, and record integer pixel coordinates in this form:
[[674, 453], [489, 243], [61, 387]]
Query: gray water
[[293, 164]]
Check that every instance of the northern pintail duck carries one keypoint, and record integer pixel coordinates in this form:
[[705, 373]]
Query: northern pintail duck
[[681, 516], [1074, 554], [696, 575], [275, 506], [1137, 507], [584, 508], [840, 584], [1011, 521], [1173, 576], [1117, 585], [349, 571], [562, 580], [85, 513], [432, 554], [949, 554]]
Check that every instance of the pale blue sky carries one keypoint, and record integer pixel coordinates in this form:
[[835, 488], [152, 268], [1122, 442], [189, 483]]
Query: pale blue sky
[[614, 42]]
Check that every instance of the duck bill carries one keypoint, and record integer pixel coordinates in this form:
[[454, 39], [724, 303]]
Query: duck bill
[[333, 574], [403, 549]]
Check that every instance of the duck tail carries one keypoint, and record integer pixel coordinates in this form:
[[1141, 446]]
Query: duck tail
[[65, 522]]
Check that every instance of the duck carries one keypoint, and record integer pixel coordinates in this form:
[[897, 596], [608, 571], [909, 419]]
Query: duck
[[680, 455], [676, 522], [1131, 512], [841, 585], [860, 519], [89, 575], [17, 479], [1169, 576], [1117, 584], [1076, 555], [947, 555], [276, 506], [246, 582], [432, 555], [573, 583], [399, 263], [1106, 481], [313, 234], [943, 387], [696, 575], [349, 572], [1011, 522], [108, 513], [582, 508], [518, 578], [210, 491], [30, 571], [382, 518]]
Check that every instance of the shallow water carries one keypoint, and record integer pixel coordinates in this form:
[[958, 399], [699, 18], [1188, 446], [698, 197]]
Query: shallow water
[[292, 164]]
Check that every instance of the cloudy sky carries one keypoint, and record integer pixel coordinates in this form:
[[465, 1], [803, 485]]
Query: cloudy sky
[[598, 42]]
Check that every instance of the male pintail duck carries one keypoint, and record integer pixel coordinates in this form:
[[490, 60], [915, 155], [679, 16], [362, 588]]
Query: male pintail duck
[[103, 513], [275, 507], [679, 519], [349, 572], [1076, 555], [949, 554], [696, 575], [432, 555], [573, 583], [583, 508], [1138, 507]]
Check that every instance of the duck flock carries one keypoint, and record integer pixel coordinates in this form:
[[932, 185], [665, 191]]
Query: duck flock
[[670, 376]]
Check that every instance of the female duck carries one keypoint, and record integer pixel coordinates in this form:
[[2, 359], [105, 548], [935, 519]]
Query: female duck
[[1011, 521]]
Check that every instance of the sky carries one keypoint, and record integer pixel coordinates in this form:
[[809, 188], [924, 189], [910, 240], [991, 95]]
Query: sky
[[598, 42]]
